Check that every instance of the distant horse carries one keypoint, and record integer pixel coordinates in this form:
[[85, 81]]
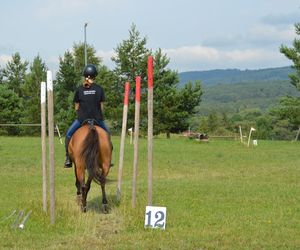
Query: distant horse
[[90, 149]]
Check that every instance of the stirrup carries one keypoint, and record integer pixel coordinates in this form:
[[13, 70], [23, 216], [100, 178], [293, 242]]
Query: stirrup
[[68, 165], [68, 162]]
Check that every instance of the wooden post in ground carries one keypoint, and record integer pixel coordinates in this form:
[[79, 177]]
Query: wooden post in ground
[[296, 138], [241, 134], [136, 137], [43, 139], [150, 127], [249, 138], [122, 143], [51, 146]]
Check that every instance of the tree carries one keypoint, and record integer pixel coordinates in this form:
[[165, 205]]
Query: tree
[[166, 99], [131, 61], [289, 108], [1, 76], [11, 110], [78, 53], [131, 56], [213, 122], [32, 93], [172, 107], [293, 54], [264, 127], [14, 74]]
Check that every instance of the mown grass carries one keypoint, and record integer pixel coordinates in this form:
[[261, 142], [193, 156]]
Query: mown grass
[[219, 195]]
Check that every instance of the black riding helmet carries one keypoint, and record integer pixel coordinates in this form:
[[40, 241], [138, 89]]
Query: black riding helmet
[[90, 70]]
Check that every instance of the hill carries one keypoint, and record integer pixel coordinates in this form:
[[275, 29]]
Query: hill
[[234, 90], [236, 97], [229, 76]]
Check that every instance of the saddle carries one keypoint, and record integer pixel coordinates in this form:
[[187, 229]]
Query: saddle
[[91, 122]]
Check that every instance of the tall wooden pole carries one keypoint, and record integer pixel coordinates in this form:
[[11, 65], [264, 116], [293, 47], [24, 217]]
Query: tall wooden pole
[[136, 136], [122, 144], [51, 146], [43, 139], [150, 127]]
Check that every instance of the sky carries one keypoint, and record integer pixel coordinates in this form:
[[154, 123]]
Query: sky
[[195, 34]]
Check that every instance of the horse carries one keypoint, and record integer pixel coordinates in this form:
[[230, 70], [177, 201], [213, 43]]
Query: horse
[[90, 149]]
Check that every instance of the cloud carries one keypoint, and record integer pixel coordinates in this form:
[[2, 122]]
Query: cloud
[[193, 53], [189, 58], [264, 33], [4, 60], [203, 58], [106, 57]]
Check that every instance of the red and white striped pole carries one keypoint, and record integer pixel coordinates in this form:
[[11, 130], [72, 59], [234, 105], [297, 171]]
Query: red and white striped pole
[[122, 144], [136, 136], [150, 127]]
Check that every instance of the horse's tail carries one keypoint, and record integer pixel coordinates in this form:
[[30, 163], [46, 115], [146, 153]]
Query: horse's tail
[[90, 151]]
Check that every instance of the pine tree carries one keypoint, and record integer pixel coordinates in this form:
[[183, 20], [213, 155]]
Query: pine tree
[[293, 54], [289, 107], [131, 56], [131, 61], [165, 95], [32, 93], [14, 74], [11, 110], [172, 107]]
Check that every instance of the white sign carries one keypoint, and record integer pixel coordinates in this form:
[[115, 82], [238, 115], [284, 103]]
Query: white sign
[[155, 217]]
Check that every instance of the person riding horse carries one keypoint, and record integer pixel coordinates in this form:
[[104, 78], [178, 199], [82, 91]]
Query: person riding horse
[[88, 99]]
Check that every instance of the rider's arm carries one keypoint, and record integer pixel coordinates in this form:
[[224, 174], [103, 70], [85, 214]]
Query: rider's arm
[[76, 106]]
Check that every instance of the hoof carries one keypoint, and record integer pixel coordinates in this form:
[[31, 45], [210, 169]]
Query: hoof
[[79, 199], [105, 208]]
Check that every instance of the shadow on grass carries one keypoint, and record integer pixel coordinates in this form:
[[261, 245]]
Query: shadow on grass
[[95, 204]]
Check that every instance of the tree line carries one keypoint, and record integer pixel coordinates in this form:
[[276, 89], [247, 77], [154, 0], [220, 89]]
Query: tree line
[[176, 108], [20, 89]]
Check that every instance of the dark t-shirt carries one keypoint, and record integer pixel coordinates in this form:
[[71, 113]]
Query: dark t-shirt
[[89, 100]]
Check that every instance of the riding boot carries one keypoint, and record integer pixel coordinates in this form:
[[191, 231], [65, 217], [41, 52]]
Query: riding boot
[[68, 162]]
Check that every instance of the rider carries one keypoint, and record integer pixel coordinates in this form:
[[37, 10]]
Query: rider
[[88, 101]]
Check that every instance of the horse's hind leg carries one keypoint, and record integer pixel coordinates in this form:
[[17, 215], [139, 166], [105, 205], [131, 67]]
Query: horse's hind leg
[[104, 200], [85, 190], [78, 186], [102, 182]]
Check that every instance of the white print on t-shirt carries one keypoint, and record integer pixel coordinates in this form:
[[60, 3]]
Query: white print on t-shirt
[[89, 92]]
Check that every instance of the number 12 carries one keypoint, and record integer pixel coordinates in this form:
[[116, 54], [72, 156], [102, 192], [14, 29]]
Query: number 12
[[159, 216]]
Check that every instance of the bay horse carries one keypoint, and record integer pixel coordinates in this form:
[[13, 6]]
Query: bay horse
[[90, 149]]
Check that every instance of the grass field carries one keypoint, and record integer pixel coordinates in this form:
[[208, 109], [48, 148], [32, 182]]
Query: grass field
[[219, 195]]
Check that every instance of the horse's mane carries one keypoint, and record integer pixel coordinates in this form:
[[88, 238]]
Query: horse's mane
[[90, 152]]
